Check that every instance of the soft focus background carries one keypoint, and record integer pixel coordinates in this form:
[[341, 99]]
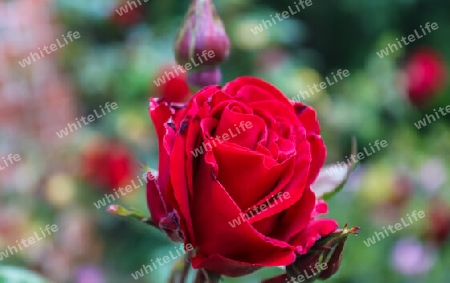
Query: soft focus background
[[59, 180]]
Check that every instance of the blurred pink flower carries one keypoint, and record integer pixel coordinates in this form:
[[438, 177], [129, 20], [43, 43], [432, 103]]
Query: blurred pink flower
[[410, 257], [89, 274]]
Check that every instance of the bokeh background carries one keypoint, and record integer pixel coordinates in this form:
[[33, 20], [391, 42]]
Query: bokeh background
[[58, 180]]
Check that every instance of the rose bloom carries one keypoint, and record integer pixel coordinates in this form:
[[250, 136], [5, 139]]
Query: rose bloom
[[126, 16], [425, 72], [172, 87], [260, 176], [108, 164]]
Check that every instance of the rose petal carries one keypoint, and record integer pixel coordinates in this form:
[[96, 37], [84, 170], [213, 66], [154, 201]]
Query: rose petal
[[155, 200], [295, 184], [314, 231], [161, 114], [233, 127], [319, 154], [296, 218], [235, 86], [233, 163], [179, 191], [215, 233], [308, 118]]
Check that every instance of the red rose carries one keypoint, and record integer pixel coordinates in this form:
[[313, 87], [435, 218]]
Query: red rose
[[225, 155], [438, 225], [127, 15], [171, 84], [108, 164], [425, 73]]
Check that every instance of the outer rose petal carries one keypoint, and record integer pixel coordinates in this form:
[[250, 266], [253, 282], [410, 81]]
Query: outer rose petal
[[155, 199], [156, 190], [216, 235], [162, 113], [308, 117], [314, 231], [318, 156], [297, 217]]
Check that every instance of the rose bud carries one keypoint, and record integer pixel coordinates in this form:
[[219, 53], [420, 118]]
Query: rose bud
[[202, 36], [425, 73], [171, 84], [202, 44], [236, 164]]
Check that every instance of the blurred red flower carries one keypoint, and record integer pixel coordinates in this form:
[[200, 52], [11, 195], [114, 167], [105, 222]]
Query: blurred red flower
[[438, 229], [108, 164], [425, 73], [171, 84], [127, 14]]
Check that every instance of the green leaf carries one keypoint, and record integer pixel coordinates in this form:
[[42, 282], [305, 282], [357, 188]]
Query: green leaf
[[11, 274], [132, 213]]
